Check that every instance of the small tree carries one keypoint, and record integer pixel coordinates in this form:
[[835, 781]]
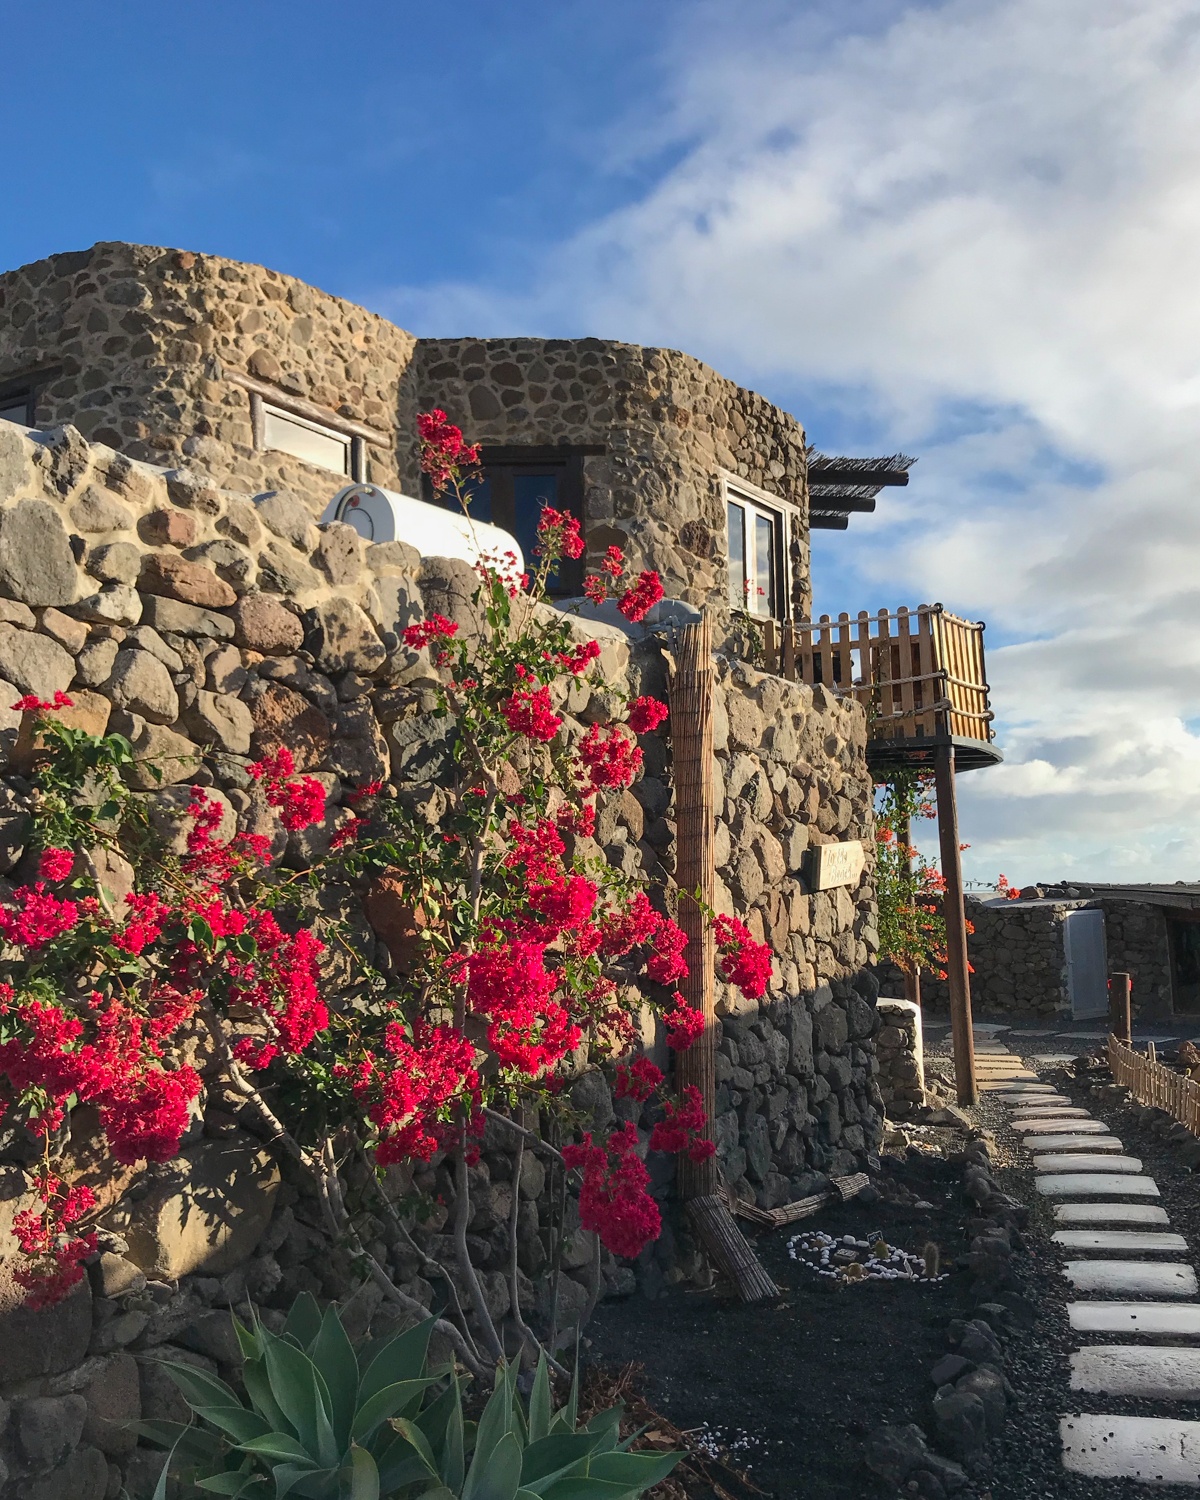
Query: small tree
[[908, 889], [529, 957]]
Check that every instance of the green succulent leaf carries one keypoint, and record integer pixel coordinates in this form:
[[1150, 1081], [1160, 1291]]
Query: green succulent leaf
[[540, 1405], [303, 1321], [413, 1435], [258, 1388], [500, 1477], [637, 1471], [198, 1387], [248, 1340], [279, 1445], [544, 1461], [301, 1392], [364, 1475], [333, 1355], [401, 1358], [236, 1485], [454, 1461], [240, 1423], [389, 1402]]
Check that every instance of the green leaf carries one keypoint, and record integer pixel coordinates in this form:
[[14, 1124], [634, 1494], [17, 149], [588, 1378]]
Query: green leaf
[[581, 1488], [413, 1435], [550, 1457], [495, 1424], [389, 1402], [607, 1425], [199, 1388], [454, 1460], [279, 1445], [364, 1476], [228, 1484], [637, 1471], [540, 1405], [333, 1355], [318, 1484], [401, 1358], [302, 1394], [400, 1467], [237, 1421], [248, 1340], [502, 1474], [258, 1388], [304, 1320]]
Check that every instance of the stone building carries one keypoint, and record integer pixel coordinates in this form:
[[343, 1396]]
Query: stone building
[[256, 381]]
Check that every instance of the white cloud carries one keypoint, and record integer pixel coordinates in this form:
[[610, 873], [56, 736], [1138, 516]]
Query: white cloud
[[985, 216]]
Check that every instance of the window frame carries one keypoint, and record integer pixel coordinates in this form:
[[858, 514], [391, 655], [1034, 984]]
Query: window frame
[[23, 396], [782, 514], [263, 407]]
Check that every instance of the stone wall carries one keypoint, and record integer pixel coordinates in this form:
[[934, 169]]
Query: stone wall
[[1137, 942], [136, 346], [669, 424], [900, 1049], [209, 628]]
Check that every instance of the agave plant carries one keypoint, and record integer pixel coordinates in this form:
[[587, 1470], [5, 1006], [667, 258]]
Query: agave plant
[[323, 1421]]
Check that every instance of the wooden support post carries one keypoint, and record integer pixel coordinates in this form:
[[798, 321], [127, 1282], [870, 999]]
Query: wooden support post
[[1119, 1021], [957, 972], [912, 982], [695, 873]]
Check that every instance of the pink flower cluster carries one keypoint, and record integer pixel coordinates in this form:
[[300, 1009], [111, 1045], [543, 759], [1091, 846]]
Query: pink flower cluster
[[300, 802], [741, 960], [443, 453]]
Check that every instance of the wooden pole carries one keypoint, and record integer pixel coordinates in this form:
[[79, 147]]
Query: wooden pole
[[1119, 1020], [912, 982], [954, 910], [696, 876], [695, 872]]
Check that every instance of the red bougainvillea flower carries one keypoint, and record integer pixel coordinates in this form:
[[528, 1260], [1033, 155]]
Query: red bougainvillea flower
[[613, 1201], [742, 960], [684, 1023], [559, 534], [529, 713], [610, 758], [681, 1125], [56, 865], [434, 628], [614, 562], [667, 963], [301, 803], [32, 704], [637, 1080], [646, 714], [36, 917], [637, 601], [443, 451]]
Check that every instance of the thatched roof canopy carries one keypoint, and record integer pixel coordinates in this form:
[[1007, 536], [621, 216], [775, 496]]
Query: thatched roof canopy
[[839, 487]]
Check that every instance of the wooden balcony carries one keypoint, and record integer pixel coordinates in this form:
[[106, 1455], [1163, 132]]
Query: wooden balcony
[[919, 674]]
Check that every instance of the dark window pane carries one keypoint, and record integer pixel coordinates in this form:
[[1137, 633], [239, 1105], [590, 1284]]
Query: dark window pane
[[737, 556], [763, 602], [530, 493]]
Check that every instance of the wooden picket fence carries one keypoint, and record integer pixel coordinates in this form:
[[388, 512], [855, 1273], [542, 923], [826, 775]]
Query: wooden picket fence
[[1150, 1082], [919, 673]]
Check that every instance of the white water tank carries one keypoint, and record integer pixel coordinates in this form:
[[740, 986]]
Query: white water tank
[[382, 515]]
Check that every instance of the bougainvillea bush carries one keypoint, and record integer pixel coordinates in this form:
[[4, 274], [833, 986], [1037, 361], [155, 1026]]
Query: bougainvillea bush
[[528, 960]]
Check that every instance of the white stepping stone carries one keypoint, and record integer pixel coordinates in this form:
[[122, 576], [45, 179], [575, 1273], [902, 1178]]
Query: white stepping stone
[[1006, 1089], [1144, 1278], [1079, 1161], [1137, 1370], [1109, 1213], [1064, 1112], [1101, 1143], [1141, 1241], [1088, 1184], [1182, 1318], [1154, 1450], [1050, 1127]]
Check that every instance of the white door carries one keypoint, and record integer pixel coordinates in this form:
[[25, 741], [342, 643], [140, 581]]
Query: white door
[[1087, 964]]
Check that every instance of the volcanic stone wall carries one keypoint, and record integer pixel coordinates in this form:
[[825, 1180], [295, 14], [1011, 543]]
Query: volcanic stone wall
[[209, 628], [669, 424]]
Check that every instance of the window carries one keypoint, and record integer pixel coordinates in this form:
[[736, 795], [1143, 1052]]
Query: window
[[757, 555], [17, 406], [515, 486], [314, 443]]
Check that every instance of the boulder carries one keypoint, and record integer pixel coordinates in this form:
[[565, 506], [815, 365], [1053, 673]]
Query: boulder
[[70, 634], [263, 624], [172, 577], [115, 604], [346, 641], [114, 1403], [37, 565], [281, 716], [339, 553], [48, 1428], [46, 1341], [169, 528], [176, 618], [117, 562], [96, 511], [208, 1213], [141, 684], [35, 663], [288, 517], [395, 920], [222, 720], [448, 586], [156, 749], [84, 1476], [168, 809]]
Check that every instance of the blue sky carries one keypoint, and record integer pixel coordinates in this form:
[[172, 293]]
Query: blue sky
[[964, 229]]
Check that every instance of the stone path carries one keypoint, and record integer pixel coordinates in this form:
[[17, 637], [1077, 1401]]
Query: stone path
[[1121, 1250]]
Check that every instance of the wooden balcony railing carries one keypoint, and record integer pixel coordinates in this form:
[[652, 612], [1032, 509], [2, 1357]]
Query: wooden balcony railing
[[919, 674]]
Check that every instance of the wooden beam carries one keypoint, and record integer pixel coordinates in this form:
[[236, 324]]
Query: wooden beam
[[831, 475], [839, 504], [829, 522], [954, 910]]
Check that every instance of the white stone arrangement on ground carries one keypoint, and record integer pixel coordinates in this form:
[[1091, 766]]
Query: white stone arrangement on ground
[[1104, 1209]]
